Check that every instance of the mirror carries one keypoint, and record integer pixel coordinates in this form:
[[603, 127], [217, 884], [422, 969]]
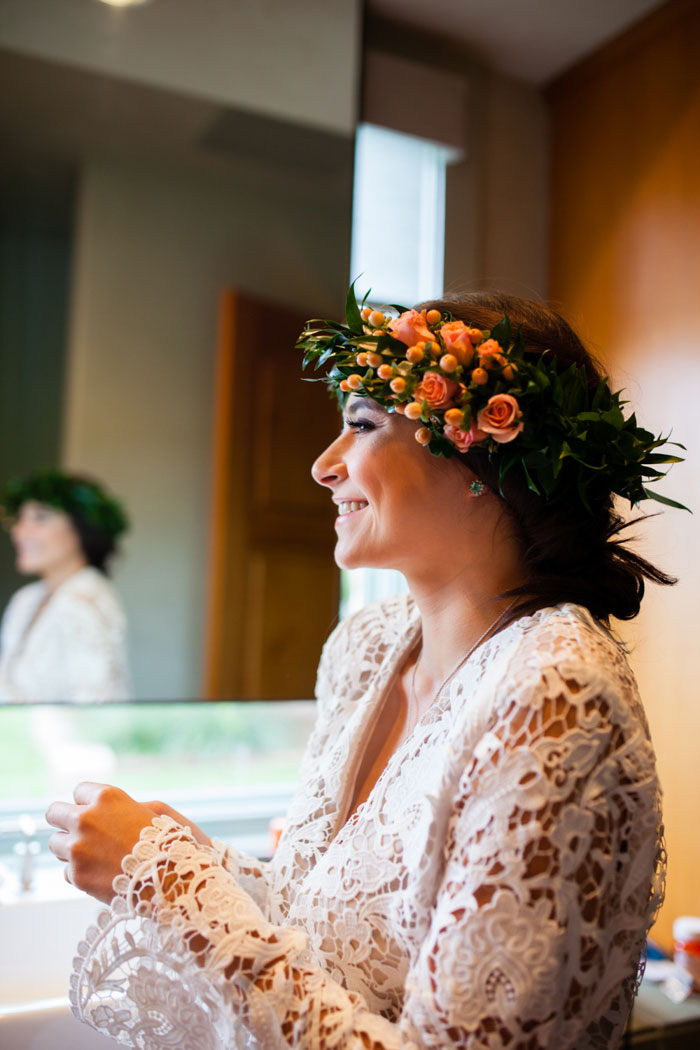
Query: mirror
[[153, 158]]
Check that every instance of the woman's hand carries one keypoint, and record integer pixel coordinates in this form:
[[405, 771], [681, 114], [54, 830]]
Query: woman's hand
[[160, 809], [98, 831]]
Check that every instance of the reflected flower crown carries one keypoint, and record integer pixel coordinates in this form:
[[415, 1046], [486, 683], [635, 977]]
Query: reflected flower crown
[[471, 388], [55, 489]]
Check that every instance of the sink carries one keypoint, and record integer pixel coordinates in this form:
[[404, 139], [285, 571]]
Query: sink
[[48, 1025], [39, 939]]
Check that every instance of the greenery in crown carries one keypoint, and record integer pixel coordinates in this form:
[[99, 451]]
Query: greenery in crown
[[55, 489], [471, 388]]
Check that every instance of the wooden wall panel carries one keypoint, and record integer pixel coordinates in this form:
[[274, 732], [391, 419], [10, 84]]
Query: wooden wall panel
[[625, 269]]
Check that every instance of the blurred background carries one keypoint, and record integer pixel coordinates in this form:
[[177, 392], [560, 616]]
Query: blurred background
[[182, 184]]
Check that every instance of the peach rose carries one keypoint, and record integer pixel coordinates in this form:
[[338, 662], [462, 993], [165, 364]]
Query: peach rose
[[411, 327], [455, 336], [436, 390], [499, 418], [490, 348], [463, 439]]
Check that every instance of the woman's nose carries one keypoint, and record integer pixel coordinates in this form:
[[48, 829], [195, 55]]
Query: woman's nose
[[329, 468]]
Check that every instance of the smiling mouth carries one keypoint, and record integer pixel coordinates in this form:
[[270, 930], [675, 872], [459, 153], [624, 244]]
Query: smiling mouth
[[349, 506]]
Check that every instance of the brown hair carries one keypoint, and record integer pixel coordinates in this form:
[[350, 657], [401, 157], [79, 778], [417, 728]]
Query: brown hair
[[570, 555]]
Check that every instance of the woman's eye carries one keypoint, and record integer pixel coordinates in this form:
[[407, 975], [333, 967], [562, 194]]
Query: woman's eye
[[360, 424]]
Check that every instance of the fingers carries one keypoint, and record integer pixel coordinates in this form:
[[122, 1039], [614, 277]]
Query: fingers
[[87, 792], [62, 815], [59, 844]]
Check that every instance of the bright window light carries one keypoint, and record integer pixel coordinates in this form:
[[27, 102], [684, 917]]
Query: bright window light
[[398, 226], [398, 244]]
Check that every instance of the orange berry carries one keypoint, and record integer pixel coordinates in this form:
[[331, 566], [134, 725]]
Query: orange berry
[[414, 354], [376, 318], [433, 316], [384, 371], [487, 362], [448, 363], [454, 417], [365, 312], [434, 347], [398, 385], [422, 435], [414, 410], [362, 359], [480, 376], [374, 360], [344, 386], [475, 335], [400, 407], [354, 382], [508, 372]]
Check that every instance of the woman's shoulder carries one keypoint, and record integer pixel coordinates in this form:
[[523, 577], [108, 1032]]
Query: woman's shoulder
[[25, 598], [564, 650], [361, 641], [89, 590], [381, 623]]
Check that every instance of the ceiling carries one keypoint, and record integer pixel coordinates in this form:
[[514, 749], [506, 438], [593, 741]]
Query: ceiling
[[531, 40]]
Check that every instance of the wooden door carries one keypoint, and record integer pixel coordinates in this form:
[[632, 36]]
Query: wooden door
[[273, 585]]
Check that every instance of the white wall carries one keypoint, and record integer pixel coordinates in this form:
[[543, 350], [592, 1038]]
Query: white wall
[[497, 225], [294, 59], [496, 232], [153, 248]]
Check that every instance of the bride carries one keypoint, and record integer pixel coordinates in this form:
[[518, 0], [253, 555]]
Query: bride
[[473, 857]]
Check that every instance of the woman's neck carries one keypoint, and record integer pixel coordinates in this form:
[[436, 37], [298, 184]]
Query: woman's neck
[[459, 605]]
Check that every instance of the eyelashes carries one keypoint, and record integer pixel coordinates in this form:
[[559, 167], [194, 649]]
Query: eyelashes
[[360, 424]]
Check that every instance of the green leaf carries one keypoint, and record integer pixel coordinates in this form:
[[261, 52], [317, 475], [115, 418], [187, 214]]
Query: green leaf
[[502, 333], [352, 310], [650, 494]]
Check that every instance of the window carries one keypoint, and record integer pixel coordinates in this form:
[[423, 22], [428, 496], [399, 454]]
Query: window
[[398, 242]]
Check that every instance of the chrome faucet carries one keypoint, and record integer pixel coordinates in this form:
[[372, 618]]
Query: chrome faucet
[[26, 849]]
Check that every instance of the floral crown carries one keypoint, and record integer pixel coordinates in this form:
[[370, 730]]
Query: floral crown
[[70, 494], [477, 389]]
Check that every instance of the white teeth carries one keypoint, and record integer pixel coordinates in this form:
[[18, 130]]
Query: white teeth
[[348, 506]]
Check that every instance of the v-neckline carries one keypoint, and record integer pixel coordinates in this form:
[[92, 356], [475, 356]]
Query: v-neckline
[[373, 702]]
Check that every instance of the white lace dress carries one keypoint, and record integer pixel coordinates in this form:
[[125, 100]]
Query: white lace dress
[[493, 891], [72, 648]]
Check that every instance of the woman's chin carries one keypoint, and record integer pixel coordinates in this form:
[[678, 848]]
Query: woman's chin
[[29, 566]]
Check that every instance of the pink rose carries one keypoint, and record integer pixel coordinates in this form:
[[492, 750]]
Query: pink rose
[[436, 390], [455, 336], [464, 439], [411, 327], [499, 417]]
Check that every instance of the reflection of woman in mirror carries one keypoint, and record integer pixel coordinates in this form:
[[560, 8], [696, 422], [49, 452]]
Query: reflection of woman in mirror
[[473, 858], [63, 637]]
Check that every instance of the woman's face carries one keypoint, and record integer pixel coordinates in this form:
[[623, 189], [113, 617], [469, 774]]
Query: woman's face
[[45, 540], [396, 502]]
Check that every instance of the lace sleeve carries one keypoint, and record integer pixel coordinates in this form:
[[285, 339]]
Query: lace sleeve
[[534, 933]]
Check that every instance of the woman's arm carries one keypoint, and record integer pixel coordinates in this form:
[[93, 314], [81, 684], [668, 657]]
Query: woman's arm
[[534, 934]]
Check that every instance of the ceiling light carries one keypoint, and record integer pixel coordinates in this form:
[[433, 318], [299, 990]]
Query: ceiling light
[[124, 3]]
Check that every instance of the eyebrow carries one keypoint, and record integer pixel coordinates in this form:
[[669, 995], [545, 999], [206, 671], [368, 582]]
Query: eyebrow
[[361, 405]]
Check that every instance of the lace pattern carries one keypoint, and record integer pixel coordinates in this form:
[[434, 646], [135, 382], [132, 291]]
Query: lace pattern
[[72, 648], [493, 891]]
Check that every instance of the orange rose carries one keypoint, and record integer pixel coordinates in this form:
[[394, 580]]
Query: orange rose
[[499, 418], [436, 390], [490, 348], [463, 439], [455, 336], [411, 327]]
